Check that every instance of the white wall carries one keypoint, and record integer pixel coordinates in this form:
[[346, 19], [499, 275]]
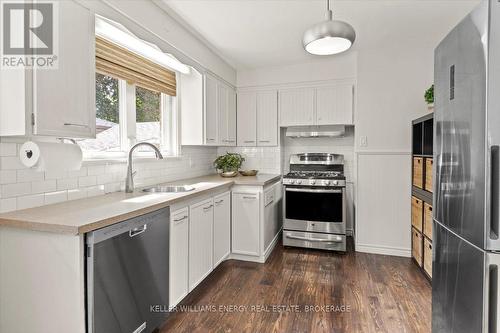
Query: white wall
[[391, 85], [330, 68]]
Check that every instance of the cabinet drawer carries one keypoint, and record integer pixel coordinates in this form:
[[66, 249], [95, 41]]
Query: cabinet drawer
[[416, 213], [418, 171], [428, 220], [428, 174], [428, 257], [416, 246]]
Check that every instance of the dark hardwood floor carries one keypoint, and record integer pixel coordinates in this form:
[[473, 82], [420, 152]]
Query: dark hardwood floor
[[365, 292]]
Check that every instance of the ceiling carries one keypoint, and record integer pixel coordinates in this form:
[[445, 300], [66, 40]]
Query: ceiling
[[251, 34]]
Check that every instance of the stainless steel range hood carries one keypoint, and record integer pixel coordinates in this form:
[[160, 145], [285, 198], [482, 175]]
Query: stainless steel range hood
[[315, 131]]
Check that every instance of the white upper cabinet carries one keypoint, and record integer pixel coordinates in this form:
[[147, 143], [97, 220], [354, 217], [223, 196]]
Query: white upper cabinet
[[323, 105], [211, 112], [226, 103], [247, 119], [208, 109], [297, 107], [258, 118], [334, 105], [267, 118], [61, 102]]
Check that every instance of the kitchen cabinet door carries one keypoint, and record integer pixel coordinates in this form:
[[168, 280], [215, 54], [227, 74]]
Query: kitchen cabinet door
[[334, 105], [245, 223], [179, 251], [267, 118], [64, 98], [231, 117], [222, 227], [247, 119], [201, 217], [297, 107], [226, 115], [211, 112]]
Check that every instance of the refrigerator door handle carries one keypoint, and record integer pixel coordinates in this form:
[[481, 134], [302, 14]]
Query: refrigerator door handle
[[494, 193], [493, 292]]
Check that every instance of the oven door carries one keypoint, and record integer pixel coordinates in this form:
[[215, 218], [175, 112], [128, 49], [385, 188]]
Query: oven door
[[315, 209]]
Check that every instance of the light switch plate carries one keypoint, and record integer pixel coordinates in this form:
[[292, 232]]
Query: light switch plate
[[363, 141]]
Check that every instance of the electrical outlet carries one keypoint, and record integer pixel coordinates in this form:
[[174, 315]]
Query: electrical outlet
[[363, 141]]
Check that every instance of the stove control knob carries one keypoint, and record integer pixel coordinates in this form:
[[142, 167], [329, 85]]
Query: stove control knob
[[327, 182], [299, 182], [335, 182], [313, 182]]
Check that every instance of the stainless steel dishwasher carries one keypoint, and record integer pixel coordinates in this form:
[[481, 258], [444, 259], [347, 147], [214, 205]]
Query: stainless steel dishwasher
[[127, 275]]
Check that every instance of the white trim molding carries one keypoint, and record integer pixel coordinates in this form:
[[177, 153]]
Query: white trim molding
[[384, 250]]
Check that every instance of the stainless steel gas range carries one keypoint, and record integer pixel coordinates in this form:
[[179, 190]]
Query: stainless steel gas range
[[314, 206]]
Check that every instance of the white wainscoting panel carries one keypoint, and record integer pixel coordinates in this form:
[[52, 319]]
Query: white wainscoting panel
[[383, 203]]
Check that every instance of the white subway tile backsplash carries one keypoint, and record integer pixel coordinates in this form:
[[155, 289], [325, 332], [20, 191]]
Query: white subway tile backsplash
[[29, 175], [93, 191], [77, 194], [87, 181], [7, 205], [94, 170], [8, 177], [22, 188], [30, 201], [15, 190], [10, 163], [8, 149], [67, 183], [44, 186], [55, 197]]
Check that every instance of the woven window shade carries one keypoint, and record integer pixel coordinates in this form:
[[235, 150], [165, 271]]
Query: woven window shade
[[116, 61]]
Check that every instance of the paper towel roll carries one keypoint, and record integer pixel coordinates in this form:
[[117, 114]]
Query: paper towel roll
[[54, 157]]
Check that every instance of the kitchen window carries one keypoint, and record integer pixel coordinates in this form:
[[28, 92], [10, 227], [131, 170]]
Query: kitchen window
[[135, 102]]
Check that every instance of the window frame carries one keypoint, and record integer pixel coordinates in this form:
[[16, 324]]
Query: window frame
[[169, 123]]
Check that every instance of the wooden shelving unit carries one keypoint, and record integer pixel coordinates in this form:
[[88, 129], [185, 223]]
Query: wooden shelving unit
[[421, 193]]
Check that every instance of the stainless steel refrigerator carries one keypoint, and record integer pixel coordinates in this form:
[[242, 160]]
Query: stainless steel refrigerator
[[465, 285]]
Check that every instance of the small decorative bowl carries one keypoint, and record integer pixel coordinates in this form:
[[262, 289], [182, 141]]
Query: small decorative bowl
[[229, 174], [249, 172]]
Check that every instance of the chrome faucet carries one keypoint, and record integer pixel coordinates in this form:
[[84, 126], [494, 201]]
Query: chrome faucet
[[129, 184]]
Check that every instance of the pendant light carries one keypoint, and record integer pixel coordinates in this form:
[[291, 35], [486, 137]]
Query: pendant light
[[329, 37]]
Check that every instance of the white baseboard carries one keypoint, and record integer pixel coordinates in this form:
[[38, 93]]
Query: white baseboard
[[385, 250], [271, 246]]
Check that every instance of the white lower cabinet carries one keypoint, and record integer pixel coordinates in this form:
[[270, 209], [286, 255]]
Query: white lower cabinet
[[201, 219], [222, 228], [179, 250], [246, 217]]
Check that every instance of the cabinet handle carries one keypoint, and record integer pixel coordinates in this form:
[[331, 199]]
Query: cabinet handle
[[250, 198], [207, 208], [208, 139], [76, 125], [180, 219], [248, 141], [219, 202], [265, 141]]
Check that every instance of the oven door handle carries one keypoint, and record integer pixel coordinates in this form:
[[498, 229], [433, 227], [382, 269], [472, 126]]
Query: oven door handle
[[338, 239], [310, 190]]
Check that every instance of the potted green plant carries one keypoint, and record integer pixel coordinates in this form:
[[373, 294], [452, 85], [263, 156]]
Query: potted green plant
[[429, 97], [228, 164]]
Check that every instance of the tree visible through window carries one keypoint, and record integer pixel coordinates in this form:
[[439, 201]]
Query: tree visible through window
[[148, 115], [107, 117]]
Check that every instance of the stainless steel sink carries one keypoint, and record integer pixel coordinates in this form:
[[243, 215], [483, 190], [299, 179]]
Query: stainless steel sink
[[168, 189]]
